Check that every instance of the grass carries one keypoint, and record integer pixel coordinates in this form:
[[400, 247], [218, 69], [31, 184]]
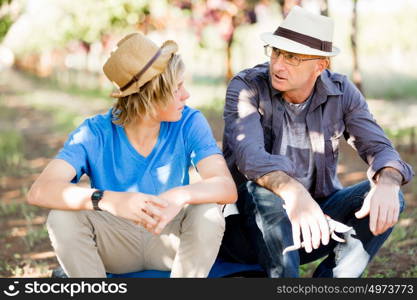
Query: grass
[[18, 209], [18, 267], [35, 236], [307, 270], [63, 121], [11, 151], [411, 273], [17, 241], [72, 87]]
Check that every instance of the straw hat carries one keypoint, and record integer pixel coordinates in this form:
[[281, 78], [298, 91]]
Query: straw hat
[[304, 33], [136, 61]]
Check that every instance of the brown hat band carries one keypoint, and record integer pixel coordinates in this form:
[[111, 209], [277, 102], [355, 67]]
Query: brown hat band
[[138, 75], [304, 39]]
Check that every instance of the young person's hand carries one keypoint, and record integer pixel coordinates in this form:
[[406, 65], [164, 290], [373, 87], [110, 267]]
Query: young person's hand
[[176, 199], [143, 209]]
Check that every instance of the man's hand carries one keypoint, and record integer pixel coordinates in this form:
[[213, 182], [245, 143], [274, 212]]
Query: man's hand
[[334, 227], [307, 218], [382, 203], [143, 209]]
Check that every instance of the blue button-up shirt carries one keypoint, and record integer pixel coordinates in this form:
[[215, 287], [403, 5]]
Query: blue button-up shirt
[[253, 118]]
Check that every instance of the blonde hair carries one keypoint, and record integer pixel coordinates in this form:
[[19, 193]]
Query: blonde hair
[[156, 93]]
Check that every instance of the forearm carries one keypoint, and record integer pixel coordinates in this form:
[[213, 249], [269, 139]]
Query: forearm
[[218, 189], [281, 184], [389, 176], [55, 194]]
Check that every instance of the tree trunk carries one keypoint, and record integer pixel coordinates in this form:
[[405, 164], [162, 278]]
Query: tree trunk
[[229, 43], [229, 72], [324, 8], [413, 141], [286, 6], [356, 76]]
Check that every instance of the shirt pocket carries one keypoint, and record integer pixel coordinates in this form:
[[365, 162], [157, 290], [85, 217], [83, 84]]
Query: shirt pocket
[[168, 175]]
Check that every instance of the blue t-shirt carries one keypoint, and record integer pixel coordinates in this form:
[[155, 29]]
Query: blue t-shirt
[[102, 150]]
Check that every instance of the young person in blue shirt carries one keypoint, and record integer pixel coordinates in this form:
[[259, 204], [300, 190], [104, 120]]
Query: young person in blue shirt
[[140, 212]]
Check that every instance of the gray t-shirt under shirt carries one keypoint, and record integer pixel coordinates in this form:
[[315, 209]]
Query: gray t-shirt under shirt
[[296, 144]]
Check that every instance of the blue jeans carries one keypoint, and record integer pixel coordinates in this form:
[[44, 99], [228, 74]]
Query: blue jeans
[[263, 231]]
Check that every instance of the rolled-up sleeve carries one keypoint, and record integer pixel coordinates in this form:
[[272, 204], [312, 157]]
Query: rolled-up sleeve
[[244, 133], [368, 138]]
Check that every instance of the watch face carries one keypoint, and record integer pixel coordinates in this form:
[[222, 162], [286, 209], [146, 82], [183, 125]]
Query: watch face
[[97, 195], [95, 198]]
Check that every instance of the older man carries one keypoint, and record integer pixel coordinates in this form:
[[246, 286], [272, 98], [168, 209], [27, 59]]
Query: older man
[[283, 122]]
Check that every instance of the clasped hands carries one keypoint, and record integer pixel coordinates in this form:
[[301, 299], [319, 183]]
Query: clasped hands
[[160, 210], [150, 211]]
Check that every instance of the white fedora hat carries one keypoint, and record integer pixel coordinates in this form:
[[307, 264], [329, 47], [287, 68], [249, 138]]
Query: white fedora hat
[[303, 32]]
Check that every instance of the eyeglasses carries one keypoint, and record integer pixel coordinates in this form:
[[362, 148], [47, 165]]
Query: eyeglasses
[[289, 58]]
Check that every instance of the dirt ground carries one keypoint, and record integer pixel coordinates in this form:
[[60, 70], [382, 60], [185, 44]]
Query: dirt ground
[[25, 250]]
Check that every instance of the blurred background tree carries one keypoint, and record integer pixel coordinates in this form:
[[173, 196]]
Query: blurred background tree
[[227, 15], [8, 14], [61, 36], [286, 6]]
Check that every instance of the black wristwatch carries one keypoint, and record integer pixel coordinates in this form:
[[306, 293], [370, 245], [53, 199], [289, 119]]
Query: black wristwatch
[[96, 197]]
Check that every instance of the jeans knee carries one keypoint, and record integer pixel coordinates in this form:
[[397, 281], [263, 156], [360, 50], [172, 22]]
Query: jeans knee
[[267, 203], [402, 201]]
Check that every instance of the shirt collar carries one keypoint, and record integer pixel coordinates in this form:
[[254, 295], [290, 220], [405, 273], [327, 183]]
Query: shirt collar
[[323, 87], [325, 83]]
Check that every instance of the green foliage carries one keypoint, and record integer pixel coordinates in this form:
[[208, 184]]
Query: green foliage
[[391, 86], [87, 21], [400, 135], [5, 19], [5, 24], [5, 2]]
